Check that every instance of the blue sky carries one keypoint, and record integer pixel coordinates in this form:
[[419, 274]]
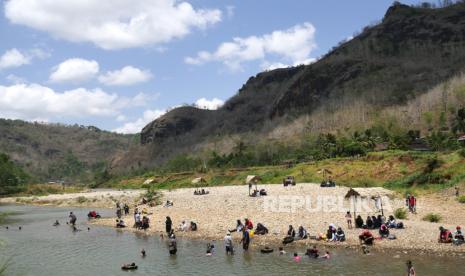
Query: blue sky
[[118, 65]]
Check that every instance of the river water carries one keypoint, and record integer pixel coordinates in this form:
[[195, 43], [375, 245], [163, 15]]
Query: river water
[[41, 249]]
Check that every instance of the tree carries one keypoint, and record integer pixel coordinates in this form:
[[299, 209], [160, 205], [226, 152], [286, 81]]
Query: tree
[[458, 125], [11, 176]]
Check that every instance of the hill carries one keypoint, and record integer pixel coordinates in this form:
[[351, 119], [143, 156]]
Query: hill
[[385, 70], [59, 152]]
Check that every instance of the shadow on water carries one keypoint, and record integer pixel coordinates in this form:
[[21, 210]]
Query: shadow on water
[[42, 249]]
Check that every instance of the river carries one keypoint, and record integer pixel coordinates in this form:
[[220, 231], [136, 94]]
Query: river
[[41, 249]]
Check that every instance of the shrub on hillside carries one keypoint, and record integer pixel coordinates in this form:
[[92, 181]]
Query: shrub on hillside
[[400, 213], [81, 199], [432, 217], [461, 199]]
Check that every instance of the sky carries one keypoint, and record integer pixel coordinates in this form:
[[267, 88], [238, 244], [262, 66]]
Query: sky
[[119, 64]]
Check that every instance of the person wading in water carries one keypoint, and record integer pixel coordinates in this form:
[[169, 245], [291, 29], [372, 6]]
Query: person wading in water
[[410, 269]]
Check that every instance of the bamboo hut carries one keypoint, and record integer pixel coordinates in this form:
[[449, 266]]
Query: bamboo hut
[[199, 183], [251, 180], [358, 195]]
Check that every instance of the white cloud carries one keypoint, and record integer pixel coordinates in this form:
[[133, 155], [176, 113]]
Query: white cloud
[[31, 101], [212, 104], [13, 58], [121, 118], [112, 24], [126, 76], [16, 58], [75, 70], [137, 125], [293, 45]]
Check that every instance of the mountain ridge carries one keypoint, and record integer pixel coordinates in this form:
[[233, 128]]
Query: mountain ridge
[[410, 51]]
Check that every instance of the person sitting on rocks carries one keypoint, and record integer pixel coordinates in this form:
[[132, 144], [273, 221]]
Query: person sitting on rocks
[[340, 235], [168, 203], [445, 236], [302, 233], [369, 223], [239, 227], [261, 229], [359, 222], [383, 231], [120, 223], [291, 232], [331, 233], [391, 223], [377, 221], [458, 236], [193, 226], [183, 226], [366, 237]]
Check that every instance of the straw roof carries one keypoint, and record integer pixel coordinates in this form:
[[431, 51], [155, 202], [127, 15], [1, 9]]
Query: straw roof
[[252, 179], [368, 192], [149, 181], [198, 180]]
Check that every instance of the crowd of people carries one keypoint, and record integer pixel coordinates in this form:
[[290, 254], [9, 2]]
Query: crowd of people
[[247, 231]]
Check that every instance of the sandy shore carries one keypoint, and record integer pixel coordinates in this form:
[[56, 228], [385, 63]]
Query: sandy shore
[[92, 198], [216, 212]]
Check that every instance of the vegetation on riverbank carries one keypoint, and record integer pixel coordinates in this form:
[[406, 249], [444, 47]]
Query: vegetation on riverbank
[[12, 176], [403, 171]]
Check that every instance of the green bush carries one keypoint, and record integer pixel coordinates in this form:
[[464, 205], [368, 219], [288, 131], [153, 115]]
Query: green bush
[[81, 199], [400, 213], [461, 199], [154, 196], [432, 217]]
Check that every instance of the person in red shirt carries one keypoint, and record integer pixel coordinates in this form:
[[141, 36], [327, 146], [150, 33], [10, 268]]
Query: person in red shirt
[[445, 236], [413, 204], [366, 237], [248, 224]]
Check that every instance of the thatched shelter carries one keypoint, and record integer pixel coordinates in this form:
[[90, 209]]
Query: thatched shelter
[[252, 179], [149, 181], [368, 193], [199, 180], [358, 195]]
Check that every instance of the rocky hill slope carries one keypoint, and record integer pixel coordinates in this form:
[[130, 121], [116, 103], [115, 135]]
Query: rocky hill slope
[[410, 51]]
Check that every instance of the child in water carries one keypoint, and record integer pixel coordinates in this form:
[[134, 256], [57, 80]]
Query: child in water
[[296, 257], [210, 248], [281, 251], [142, 253], [326, 256]]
